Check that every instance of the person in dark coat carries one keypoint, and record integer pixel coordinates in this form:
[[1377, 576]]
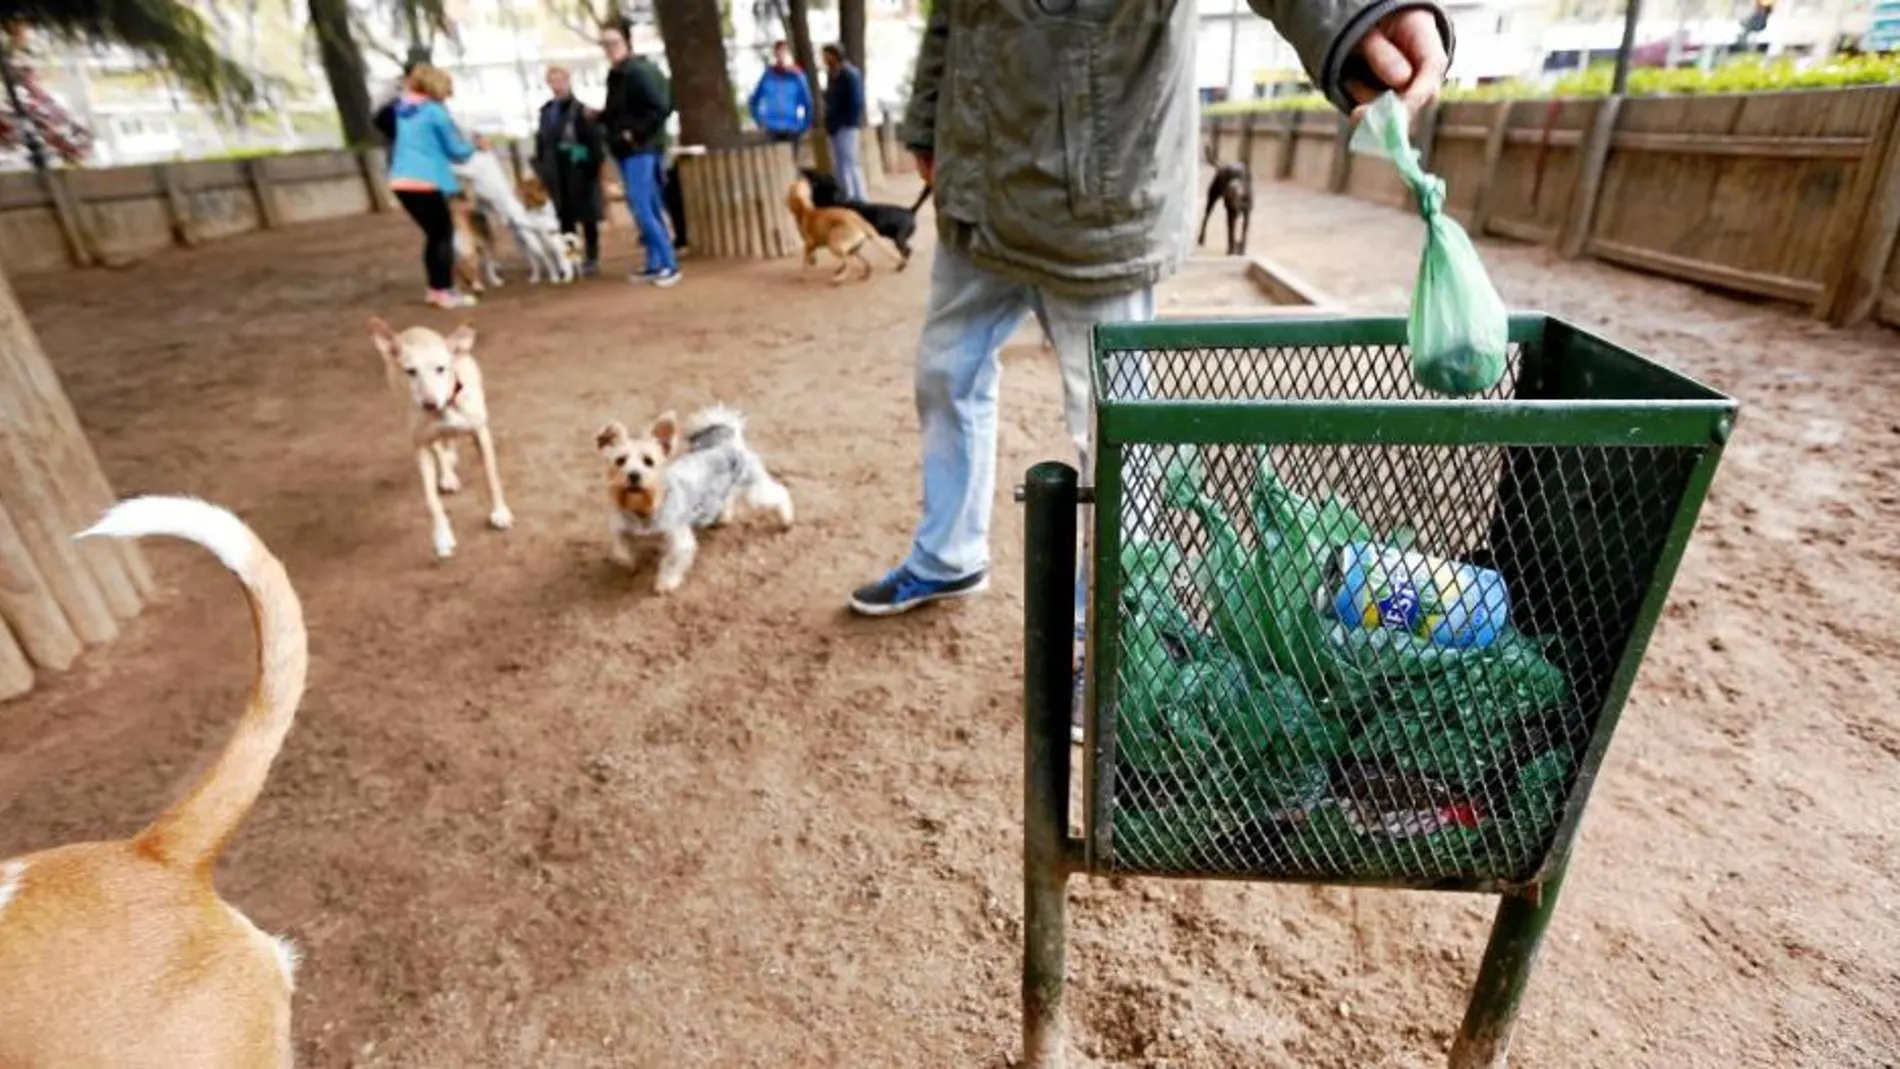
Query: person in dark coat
[[568, 153]]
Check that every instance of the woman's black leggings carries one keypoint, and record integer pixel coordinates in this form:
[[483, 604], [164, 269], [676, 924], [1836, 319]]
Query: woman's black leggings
[[430, 209]]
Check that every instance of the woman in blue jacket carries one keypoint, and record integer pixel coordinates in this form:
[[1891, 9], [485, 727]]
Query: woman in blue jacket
[[422, 175]]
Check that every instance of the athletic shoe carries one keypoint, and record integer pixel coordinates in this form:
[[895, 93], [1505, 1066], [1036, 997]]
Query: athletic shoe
[[451, 299], [664, 279], [900, 592], [589, 269]]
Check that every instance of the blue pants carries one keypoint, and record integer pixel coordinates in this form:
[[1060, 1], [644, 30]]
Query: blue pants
[[847, 164], [644, 176], [970, 313]]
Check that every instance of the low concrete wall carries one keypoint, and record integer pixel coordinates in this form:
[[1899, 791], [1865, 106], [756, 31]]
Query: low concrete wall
[[76, 218]]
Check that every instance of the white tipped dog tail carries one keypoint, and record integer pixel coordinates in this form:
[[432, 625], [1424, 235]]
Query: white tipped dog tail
[[716, 416], [191, 833]]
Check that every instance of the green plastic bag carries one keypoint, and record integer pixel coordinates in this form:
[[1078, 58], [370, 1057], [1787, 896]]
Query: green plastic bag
[[1459, 329]]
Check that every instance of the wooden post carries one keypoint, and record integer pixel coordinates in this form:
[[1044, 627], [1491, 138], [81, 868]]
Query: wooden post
[[268, 217], [1595, 156], [1245, 159], [1868, 227], [1493, 153], [1428, 134], [29, 607], [176, 205], [67, 210], [375, 166], [29, 388], [1291, 145], [735, 202], [16, 676], [1342, 156]]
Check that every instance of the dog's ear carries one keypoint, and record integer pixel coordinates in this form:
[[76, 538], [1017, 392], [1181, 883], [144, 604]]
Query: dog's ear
[[385, 338], [610, 435], [666, 431], [462, 340]]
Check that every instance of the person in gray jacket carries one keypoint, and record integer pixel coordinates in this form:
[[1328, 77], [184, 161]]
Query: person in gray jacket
[[1061, 138]]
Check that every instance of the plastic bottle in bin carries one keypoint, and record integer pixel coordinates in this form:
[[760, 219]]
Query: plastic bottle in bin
[[1447, 603]]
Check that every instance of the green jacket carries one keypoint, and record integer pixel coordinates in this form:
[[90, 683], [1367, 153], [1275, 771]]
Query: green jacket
[[1065, 132]]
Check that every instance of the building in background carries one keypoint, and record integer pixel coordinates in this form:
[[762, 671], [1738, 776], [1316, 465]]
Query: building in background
[[139, 115], [1240, 55]]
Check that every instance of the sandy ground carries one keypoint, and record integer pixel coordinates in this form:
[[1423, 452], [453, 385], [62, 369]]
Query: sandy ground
[[531, 815]]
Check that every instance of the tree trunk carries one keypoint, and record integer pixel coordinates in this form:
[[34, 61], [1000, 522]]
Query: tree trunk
[[695, 40], [851, 29], [54, 592], [343, 66], [807, 57]]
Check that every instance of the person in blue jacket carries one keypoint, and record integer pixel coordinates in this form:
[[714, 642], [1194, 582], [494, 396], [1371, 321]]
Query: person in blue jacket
[[844, 121], [422, 174], [781, 104]]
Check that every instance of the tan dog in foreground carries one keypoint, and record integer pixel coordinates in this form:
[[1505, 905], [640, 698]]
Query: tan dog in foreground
[[841, 230], [445, 386], [122, 953]]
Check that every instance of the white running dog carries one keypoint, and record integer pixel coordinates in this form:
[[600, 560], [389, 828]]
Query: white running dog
[[539, 239]]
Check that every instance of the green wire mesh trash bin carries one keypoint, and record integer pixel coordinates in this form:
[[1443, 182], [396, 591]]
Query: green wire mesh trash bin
[[1344, 631]]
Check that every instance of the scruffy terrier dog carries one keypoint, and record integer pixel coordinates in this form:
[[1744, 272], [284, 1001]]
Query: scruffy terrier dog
[[674, 480]]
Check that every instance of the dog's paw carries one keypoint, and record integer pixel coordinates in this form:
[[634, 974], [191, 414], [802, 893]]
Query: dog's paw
[[501, 519], [444, 544], [448, 482], [666, 584]]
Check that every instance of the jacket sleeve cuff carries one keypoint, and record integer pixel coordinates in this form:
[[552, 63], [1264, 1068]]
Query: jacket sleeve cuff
[[1343, 63]]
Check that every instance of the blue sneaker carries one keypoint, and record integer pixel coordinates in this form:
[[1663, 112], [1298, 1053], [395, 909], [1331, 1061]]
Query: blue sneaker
[[900, 592]]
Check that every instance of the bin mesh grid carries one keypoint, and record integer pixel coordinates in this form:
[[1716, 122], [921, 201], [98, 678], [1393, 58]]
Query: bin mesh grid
[[1268, 721]]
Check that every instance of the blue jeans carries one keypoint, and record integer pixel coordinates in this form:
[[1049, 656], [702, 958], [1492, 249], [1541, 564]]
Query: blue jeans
[[644, 176], [970, 313], [848, 164]]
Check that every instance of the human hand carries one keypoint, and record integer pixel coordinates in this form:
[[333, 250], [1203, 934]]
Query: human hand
[[926, 166], [483, 143], [1406, 51]]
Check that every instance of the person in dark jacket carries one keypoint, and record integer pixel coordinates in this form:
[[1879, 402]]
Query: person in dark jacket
[[639, 101], [568, 153], [844, 122], [781, 103]]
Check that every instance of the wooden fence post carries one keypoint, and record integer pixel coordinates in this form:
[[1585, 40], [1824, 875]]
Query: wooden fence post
[[1594, 157], [1290, 145], [1246, 143], [1493, 153], [29, 606], [175, 205], [16, 675], [268, 217], [1428, 133], [1342, 156], [375, 166], [71, 223], [1868, 227]]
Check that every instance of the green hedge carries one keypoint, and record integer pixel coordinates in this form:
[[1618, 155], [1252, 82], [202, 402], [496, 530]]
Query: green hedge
[[1743, 75]]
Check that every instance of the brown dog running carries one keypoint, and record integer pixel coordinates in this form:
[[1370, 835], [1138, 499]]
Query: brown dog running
[[841, 230], [121, 953]]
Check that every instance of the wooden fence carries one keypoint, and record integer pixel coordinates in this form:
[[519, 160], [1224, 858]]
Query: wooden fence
[[1788, 195], [81, 217]]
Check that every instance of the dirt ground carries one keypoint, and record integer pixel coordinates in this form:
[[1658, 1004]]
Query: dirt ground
[[531, 815]]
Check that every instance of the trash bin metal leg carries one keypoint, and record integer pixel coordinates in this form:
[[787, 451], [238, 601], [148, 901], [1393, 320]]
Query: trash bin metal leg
[[1484, 1039], [1049, 528]]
